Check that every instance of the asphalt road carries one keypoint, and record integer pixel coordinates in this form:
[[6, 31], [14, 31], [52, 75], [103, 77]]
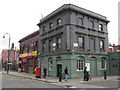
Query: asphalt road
[[108, 84], [9, 81]]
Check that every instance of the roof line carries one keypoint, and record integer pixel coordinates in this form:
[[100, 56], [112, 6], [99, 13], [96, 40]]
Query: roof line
[[76, 8]]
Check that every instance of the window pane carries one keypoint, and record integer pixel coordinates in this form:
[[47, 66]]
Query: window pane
[[103, 64], [100, 27], [81, 43], [51, 25], [59, 22], [101, 45], [80, 65], [59, 43]]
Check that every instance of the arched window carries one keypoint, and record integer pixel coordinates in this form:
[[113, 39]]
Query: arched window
[[103, 63], [32, 46], [80, 63], [59, 22], [80, 21], [100, 27], [91, 24], [51, 25]]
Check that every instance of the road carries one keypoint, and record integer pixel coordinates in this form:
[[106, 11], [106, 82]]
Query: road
[[107, 84], [9, 81]]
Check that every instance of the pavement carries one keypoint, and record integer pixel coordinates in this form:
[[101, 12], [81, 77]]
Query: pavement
[[71, 83]]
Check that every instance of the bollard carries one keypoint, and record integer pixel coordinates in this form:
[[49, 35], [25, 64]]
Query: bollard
[[105, 76], [60, 77]]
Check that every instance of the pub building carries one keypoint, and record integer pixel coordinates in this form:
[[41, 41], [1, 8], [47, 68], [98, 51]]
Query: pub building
[[76, 38], [28, 58]]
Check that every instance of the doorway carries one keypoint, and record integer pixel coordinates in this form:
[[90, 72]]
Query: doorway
[[30, 65], [93, 67], [59, 69]]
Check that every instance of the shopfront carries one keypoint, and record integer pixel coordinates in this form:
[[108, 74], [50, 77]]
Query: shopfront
[[28, 61]]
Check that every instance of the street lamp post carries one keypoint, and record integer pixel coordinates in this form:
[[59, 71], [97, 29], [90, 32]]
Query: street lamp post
[[8, 52]]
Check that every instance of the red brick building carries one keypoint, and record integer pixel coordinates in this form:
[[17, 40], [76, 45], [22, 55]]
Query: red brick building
[[29, 47], [114, 48], [11, 59], [5, 56]]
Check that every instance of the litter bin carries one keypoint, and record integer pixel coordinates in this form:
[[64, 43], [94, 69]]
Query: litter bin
[[37, 72]]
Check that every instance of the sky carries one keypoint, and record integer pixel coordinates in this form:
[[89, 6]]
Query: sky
[[19, 18]]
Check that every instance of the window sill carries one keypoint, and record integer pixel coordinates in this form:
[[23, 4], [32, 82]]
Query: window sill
[[79, 70], [103, 69], [101, 32], [80, 26], [91, 29]]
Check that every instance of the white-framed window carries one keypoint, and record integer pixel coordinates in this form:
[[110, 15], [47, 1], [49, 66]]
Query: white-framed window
[[101, 45], [100, 27], [80, 65], [103, 64], [81, 43], [50, 65]]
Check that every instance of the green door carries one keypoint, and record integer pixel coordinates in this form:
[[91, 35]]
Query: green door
[[59, 69], [93, 67], [114, 67]]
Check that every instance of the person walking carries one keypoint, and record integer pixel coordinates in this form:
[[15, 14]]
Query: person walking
[[87, 76], [66, 73], [45, 72], [85, 73]]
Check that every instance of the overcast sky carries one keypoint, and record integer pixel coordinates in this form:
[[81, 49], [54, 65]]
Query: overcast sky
[[20, 17]]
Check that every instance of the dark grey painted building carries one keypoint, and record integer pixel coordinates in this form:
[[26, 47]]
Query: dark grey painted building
[[74, 37]]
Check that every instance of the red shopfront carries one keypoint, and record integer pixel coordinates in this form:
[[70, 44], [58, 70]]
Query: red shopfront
[[29, 61]]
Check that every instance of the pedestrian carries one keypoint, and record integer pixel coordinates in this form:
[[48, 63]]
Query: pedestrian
[[45, 72], [85, 73], [66, 73], [87, 76]]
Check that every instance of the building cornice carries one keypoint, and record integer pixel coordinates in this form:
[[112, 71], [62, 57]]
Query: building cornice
[[29, 36], [75, 8]]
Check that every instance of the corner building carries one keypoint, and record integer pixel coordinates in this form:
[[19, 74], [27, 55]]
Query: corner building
[[74, 37]]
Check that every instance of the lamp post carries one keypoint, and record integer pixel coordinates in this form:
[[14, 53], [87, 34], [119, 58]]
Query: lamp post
[[8, 52]]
